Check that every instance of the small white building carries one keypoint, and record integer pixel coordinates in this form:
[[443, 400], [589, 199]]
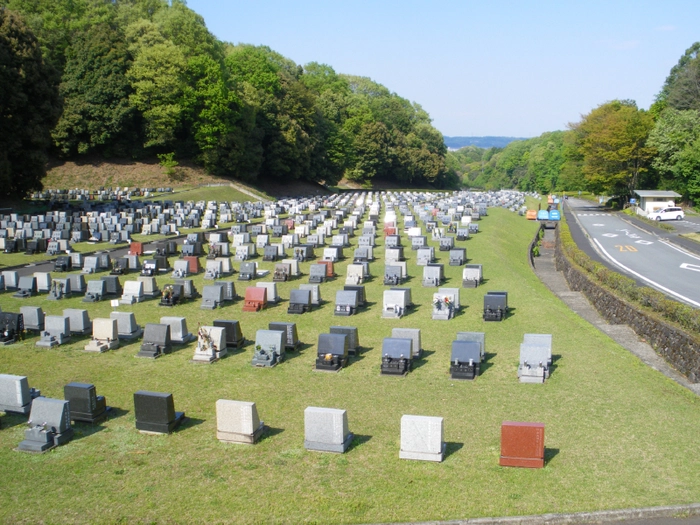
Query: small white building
[[652, 200]]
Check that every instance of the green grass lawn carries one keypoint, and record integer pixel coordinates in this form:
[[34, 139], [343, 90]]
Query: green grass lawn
[[618, 434]]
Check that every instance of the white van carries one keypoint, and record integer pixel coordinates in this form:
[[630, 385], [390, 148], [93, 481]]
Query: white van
[[667, 214]]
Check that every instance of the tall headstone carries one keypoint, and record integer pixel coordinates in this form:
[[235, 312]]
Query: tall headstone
[[105, 335], [326, 430], [15, 395], [422, 438], [85, 404], [155, 412], [522, 444], [237, 422]]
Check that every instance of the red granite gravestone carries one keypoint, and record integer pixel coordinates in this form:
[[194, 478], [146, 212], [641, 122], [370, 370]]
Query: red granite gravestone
[[193, 264], [522, 444], [329, 268], [135, 248], [255, 299]]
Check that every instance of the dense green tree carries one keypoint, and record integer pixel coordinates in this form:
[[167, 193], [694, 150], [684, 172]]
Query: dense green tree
[[676, 137], [611, 140], [29, 107], [682, 87], [97, 114]]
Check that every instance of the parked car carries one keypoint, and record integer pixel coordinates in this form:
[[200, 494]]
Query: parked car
[[667, 214]]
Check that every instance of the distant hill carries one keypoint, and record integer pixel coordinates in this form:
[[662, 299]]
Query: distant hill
[[480, 142]]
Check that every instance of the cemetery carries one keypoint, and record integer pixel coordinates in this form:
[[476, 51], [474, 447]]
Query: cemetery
[[419, 398]]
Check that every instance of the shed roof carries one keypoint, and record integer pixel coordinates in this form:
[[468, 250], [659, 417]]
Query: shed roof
[[656, 193]]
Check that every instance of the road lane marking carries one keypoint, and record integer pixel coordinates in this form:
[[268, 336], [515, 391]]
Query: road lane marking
[[653, 283], [643, 243], [611, 235], [684, 252], [688, 266]]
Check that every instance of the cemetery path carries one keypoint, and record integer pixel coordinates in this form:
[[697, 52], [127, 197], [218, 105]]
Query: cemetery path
[[622, 334]]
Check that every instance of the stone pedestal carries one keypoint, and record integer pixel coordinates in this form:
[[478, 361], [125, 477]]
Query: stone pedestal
[[422, 438], [326, 430]]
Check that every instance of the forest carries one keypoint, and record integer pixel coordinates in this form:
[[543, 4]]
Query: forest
[[613, 150], [145, 78], [136, 79]]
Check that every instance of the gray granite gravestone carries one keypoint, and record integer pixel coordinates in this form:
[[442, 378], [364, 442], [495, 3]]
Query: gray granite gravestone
[[291, 341], [211, 344], [33, 318], [79, 321], [345, 302], [315, 290], [269, 347], [155, 412], [534, 363], [317, 273], [272, 296], [150, 286], [353, 337], [95, 291], [178, 330], [237, 422], [432, 275], [212, 297], [56, 331], [472, 275], [495, 306], [410, 333], [133, 293], [422, 438], [326, 430], [26, 287], [478, 337], [49, 425], [126, 325], [299, 301], [234, 335], [537, 339], [15, 395]]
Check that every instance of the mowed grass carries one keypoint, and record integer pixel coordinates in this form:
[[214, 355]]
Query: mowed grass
[[618, 434]]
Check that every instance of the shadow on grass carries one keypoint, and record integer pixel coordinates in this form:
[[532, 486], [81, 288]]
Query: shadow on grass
[[486, 362], [422, 360], [549, 454], [553, 366], [190, 422], [115, 412], [358, 440], [13, 420], [82, 430], [451, 448], [270, 432]]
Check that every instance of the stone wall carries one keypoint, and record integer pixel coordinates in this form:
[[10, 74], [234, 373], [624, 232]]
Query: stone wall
[[680, 349]]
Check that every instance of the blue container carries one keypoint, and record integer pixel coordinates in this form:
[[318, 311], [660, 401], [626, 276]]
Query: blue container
[[554, 215], [543, 215]]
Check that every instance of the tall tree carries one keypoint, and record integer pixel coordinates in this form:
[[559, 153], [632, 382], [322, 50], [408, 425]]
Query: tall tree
[[29, 107], [97, 114], [682, 87], [611, 140]]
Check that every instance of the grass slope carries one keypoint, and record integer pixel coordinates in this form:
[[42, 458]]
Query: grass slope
[[618, 434]]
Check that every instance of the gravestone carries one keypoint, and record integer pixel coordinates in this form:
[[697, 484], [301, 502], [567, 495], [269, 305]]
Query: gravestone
[[345, 302], [133, 293], [255, 299], [156, 341], [49, 425], [392, 275], [432, 275], [414, 335], [95, 291], [56, 331], [79, 320], [425, 256], [317, 273], [458, 256], [422, 438], [299, 301], [478, 337], [361, 298], [77, 283], [355, 275], [522, 444], [443, 306], [269, 347], [213, 270], [536, 339], [534, 362], [471, 275], [495, 306], [234, 335], [84, 403], [181, 269], [15, 395], [178, 330], [315, 290], [105, 335], [229, 290], [90, 264], [126, 325], [397, 356], [10, 279], [211, 344], [33, 318], [11, 327], [248, 271], [26, 287], [212, 297], [291, 341], [465, 359], [394, 305], [155, 412], [188, 289], [112, 285], [272, 296], [332, 352], [237, 422], [326, 430], [150, 286]]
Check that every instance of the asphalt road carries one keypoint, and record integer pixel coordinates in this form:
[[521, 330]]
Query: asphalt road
[[643, 256]]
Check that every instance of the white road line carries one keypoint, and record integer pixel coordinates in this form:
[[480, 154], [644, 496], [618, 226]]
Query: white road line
[[653, 283], [684, 252]]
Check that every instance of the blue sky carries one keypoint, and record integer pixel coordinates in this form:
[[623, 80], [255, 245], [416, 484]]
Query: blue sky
[[510, 68]]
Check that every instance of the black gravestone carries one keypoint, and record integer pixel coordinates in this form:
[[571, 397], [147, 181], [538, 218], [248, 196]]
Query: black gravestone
[[332, 353], [155, 412], [156, 341], [85, 404], [465, 360]]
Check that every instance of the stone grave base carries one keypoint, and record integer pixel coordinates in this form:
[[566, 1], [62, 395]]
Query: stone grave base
[[329, 447], [237, 437], [424, 456]]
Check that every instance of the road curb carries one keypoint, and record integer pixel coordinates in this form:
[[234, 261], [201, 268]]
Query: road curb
[[604, 516]]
